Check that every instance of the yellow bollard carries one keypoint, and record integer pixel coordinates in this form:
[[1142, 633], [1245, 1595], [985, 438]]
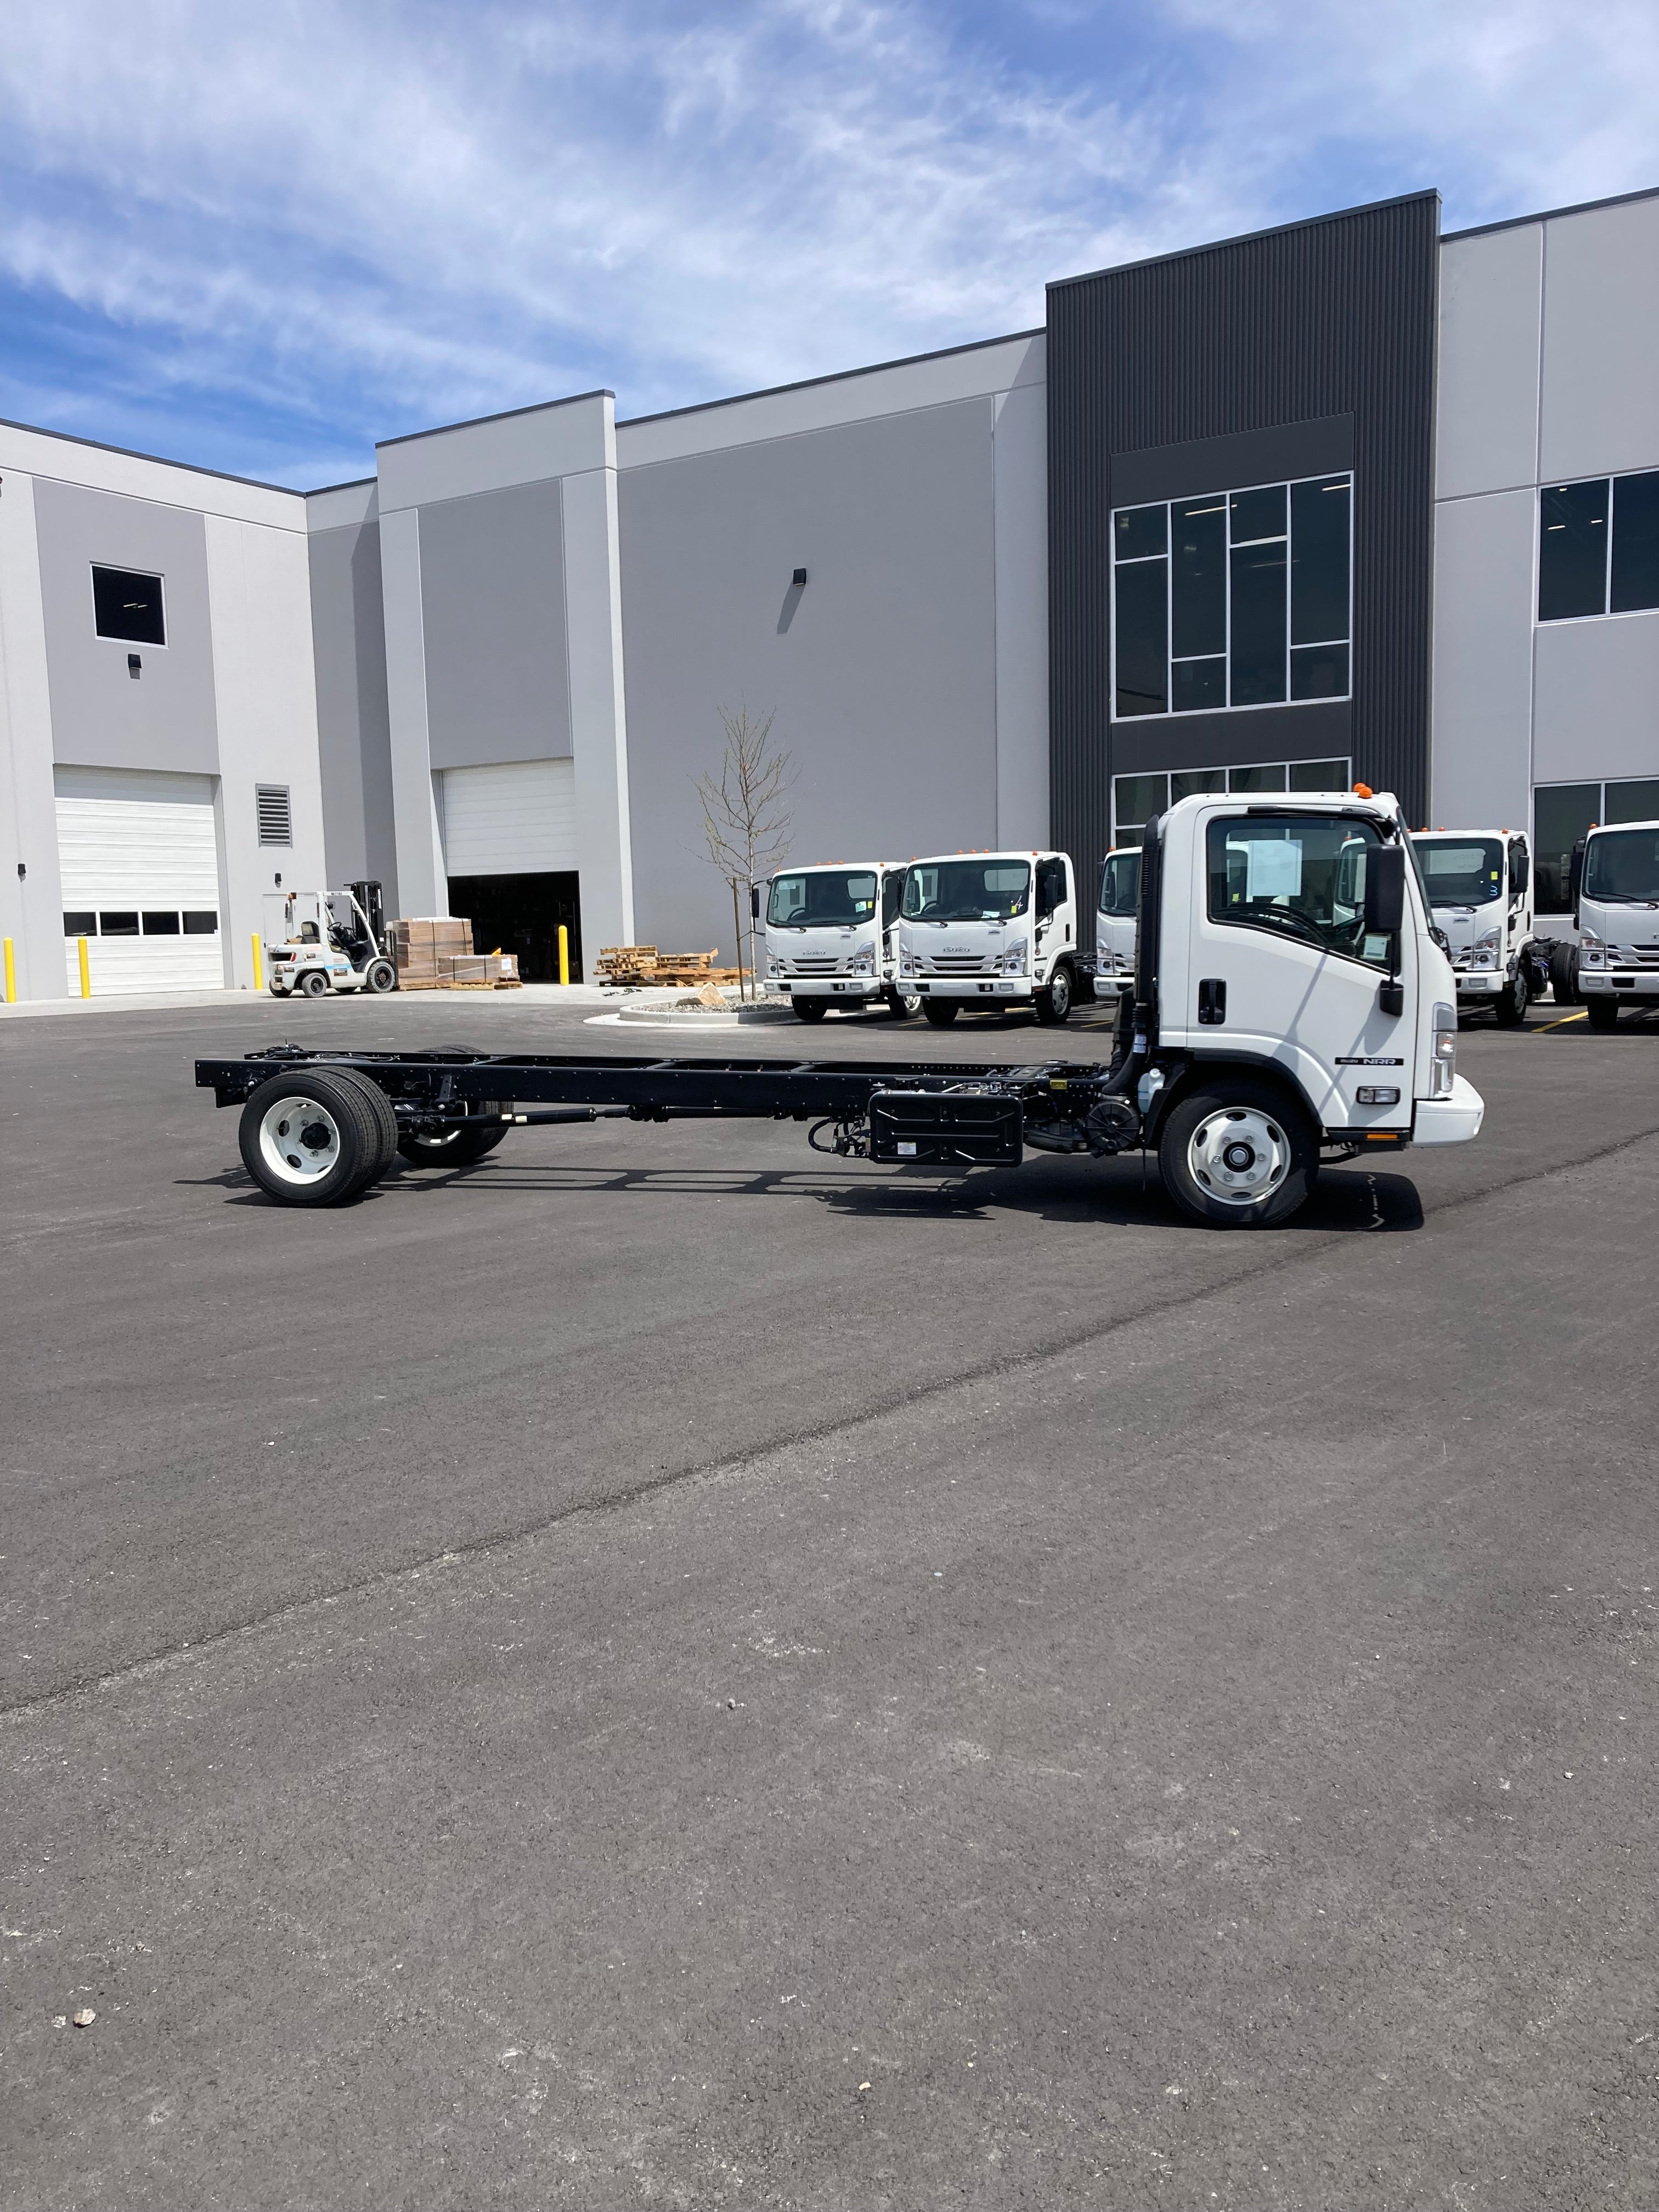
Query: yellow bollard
[[11, 976], [86, 970], [258, 968], [564, 955]]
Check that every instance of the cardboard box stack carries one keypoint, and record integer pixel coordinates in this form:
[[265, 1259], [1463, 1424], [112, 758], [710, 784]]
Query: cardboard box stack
[[437, 954]]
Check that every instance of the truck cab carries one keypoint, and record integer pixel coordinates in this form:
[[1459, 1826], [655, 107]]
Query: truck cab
[[1115, 922], [990, 930], [832, 937], [1615, 899], [1479, 889]]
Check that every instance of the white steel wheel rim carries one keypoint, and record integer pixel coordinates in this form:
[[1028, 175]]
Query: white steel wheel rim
[[1238, 1155], [299, 1140]]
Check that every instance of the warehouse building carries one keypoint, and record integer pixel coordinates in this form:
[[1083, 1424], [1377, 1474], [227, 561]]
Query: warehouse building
[[1349, 498]]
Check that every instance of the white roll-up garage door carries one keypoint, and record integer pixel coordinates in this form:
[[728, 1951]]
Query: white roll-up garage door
[[517, 818], [139, 858]]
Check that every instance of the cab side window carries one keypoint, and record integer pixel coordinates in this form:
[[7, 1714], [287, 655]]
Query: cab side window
[[1051, 886], [892, 896]]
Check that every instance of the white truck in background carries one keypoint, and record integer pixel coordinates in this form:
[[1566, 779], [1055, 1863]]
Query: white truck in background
[[1479, 889], [832, 937], [1614, 887], [1115, 922], [990, 930]]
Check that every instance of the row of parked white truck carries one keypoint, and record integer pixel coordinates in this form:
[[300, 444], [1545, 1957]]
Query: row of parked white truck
[[994, 930]]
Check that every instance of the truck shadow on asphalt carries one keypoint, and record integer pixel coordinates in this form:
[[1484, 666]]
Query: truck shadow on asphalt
[[1351, 1200]]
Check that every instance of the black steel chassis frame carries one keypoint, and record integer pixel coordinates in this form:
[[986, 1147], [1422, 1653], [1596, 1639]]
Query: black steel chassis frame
[[432, 1091]]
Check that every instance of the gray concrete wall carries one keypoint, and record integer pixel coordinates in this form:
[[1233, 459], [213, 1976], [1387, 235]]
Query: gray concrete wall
[[101, 717], [1601, 356], [1595, 711], [882, 672], [1490, 310], [492, 601], [353, 739], [1483, 626]]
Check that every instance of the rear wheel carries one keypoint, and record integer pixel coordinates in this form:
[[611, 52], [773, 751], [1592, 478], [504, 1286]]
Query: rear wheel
[[312, 1137], [1511, 1007], [904, 1006], [459, 1146], [1564, 975], [941, 1012], [810, 1009], [314, 983], [1603, 1012], [1237, 1156], [1053, 1004]]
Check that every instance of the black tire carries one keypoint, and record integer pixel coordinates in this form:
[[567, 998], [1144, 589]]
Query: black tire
[[1603, 1011], [460, 1146], [1564, 975], [1512, 1003], [379, 976], [904, 1006], [311, 1136], [810, 1009], [386, 1120], [1054, 1005], [1284, 1162], [941, 1012], [313, 984]]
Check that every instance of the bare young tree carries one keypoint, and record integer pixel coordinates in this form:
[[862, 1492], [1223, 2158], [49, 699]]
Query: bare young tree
[[745, 820]]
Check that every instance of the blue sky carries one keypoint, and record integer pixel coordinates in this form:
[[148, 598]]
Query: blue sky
[[260, 237]]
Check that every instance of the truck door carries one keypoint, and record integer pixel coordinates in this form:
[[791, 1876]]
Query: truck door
[[1281, 969]]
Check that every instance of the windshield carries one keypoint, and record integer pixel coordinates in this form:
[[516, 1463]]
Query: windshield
[[1622, 866], [966, 890], [1119, 883], [822, 898], [1460, 871], [1301, 875]]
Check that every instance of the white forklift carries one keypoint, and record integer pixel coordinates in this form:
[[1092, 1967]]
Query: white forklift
[[317, 943], [1614, 887], [1479, 887], [990, 931], [832, 937], [1115, 922]]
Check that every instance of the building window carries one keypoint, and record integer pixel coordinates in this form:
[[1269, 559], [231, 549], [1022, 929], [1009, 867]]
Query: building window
[[275, 814], [1239, 599], [128, 605], [80, 923], [1598, 551], [1136, 799], [1562, 813]]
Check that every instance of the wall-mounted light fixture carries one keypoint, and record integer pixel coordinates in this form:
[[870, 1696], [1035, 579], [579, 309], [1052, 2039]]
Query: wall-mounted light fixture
[[22, 870], [798, 580], [279, 880], [134, 664]]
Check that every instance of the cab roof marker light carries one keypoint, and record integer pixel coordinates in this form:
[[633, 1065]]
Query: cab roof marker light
[[1363, 791]]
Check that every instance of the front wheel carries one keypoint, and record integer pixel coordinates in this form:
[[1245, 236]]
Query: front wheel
[[1237, 1156], [1512, 1008], [810, 1009], [904, 1006], [1053, 1004], [941, 1012], [380, 976], [1603, 1012]]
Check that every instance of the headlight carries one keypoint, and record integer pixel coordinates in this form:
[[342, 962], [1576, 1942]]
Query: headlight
[[1442, 1065], [862, 963], [776, 967], [907, 964], [1485, 949], [1592, 953], [1014, 961]]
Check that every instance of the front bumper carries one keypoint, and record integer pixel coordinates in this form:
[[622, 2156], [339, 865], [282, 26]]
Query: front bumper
[[1479, 983], [1451, 1120], [825, 987], [1016, 988], [1628, 982]]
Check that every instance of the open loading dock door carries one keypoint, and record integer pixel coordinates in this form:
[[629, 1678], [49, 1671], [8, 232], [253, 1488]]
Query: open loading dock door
[[509, 838]]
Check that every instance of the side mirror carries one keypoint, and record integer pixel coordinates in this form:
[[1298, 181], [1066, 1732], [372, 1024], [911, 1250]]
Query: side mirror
[[754, 902], [1576, 875], [1520, 875], [1385, 890]]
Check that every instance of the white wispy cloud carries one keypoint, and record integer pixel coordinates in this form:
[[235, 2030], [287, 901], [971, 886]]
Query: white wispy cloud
[[405, 213]]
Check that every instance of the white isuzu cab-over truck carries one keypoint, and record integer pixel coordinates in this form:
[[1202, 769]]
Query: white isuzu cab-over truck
[[832, 937], [1479, 887], [1615, 902], [990, 930]]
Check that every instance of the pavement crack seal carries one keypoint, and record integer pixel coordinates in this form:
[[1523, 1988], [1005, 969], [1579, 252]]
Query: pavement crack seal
[[185, 1653]]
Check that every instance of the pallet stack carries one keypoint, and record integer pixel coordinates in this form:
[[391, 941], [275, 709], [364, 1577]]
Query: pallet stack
[[435, 954], [635, 965]]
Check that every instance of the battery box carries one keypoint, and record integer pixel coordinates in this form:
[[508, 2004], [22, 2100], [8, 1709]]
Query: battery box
[[946, 1128]]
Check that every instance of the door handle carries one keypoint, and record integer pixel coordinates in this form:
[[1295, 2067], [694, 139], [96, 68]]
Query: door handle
[[1212, 1000]]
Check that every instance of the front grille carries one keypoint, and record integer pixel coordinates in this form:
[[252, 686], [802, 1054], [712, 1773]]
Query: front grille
[[1633, 956], [816, 967], [960, 964]]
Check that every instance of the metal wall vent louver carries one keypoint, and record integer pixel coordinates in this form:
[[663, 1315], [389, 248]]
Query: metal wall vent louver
[[276, 815]]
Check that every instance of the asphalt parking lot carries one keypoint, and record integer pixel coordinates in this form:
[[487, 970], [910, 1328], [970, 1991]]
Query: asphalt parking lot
[[665, 1670]]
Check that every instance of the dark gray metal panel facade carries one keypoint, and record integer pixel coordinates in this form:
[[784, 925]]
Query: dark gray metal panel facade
[[1280, 334], [354, 737]]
